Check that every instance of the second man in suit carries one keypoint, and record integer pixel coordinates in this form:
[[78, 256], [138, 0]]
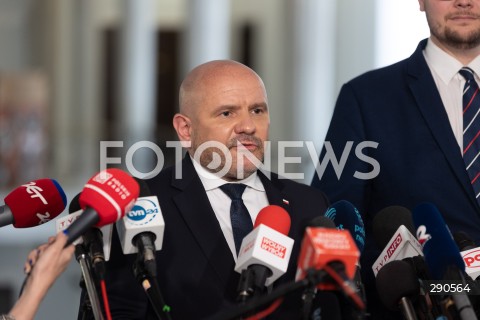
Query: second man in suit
[[412, 113]]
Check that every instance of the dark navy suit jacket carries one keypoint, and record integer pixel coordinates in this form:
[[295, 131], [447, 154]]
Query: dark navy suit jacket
[[400, 108], [195, 265]]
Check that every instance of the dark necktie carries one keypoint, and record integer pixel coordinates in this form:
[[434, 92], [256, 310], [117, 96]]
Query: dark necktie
[[471, 129], [241, 220]]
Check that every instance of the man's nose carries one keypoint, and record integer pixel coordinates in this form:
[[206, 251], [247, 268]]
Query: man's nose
[[245, 124]]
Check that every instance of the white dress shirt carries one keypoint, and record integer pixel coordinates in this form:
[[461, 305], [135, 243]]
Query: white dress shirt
[[254, 198], [450, 83]]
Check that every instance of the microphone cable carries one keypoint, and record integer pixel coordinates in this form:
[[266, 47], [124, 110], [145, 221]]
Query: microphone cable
[[267, 311], [152, 290], [106, 305], [345, 283]]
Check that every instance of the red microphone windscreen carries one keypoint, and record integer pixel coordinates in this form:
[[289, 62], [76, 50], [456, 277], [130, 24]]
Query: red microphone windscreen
[[36, 202], [111, 193], [274, 217]]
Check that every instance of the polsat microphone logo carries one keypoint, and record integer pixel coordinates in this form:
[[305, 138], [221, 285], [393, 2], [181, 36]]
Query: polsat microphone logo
[[144, 211], [422, 235]]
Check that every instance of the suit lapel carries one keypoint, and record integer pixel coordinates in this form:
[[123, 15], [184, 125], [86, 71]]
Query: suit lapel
[[428, 99], [195, 208], [273, 189]]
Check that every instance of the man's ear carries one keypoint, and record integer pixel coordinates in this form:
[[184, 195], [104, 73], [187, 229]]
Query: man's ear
[[421, 4], [182, 125]]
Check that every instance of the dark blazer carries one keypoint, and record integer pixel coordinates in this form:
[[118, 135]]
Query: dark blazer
[[195, 266], [400, 108]]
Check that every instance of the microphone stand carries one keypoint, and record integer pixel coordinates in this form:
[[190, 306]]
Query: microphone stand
[[312, 278], [407, 309], [252, 281], [308, 295], [152, 289], [81, 257]]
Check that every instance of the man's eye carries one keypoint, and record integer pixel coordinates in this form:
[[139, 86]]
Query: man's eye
[[226, 113], [257, 110]]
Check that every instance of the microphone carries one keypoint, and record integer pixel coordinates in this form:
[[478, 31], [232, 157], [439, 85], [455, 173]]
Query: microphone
[[347, 217], [33, 203], [397, 284], [386, 222], [141, 230], [470, 254], [105, 236], [335, 252], [323, 304], [265, 252], [393, 230], [463, 241], [441, 253], [322, 222], [104, 199], [97, 241]]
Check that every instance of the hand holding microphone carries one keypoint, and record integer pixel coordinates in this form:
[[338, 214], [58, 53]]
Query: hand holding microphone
[[50, 260]]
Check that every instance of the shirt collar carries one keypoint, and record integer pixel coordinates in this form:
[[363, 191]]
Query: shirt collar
[[210, 181], [475, 66], [445, 65]]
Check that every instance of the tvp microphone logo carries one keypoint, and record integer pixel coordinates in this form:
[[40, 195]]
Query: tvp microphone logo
[[144, 211], [422, 235], [395, 244]]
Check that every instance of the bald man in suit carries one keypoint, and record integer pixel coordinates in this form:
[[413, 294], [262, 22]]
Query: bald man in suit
[[223, 104]]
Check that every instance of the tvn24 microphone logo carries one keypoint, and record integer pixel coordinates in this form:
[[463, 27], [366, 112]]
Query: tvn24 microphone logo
[[144, 211]]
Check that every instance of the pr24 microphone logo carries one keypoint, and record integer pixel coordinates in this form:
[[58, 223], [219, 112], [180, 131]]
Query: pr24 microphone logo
[[422, 235]]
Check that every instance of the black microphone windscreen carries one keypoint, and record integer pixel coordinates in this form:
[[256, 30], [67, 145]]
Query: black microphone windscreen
[[74, 204], [387, 221], [322, 222], [144, 189], [463, 241], [396, 280]]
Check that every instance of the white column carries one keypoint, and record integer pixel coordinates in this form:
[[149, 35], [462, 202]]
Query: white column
[[137, 79], [61, 14], [86, 112], [208, 34], [314, 44]]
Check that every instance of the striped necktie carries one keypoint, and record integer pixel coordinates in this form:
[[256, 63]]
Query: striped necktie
[[471, 129], [241, 220]]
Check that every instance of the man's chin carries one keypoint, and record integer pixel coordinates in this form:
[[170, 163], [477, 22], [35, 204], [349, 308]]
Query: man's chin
[[463, 40], [241, 174]]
